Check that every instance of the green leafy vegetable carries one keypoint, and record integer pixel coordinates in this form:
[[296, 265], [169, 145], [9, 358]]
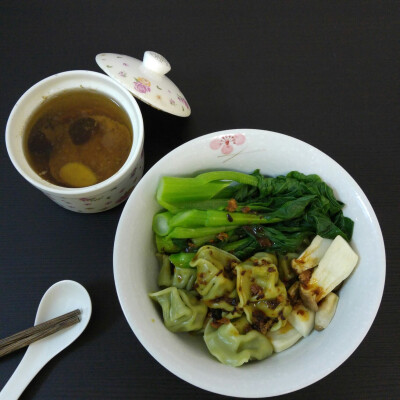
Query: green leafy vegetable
[[244, 213]]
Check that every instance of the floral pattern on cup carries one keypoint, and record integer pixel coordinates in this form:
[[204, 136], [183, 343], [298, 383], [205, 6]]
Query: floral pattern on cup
[[226, 143], [125, 195], [142, 85]]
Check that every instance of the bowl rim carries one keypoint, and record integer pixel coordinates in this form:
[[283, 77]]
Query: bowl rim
[[186, 377]]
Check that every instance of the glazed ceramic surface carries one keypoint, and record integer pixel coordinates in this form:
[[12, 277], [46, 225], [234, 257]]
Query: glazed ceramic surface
[[60, 298], [104, 195], [312, 358], [146, 80]]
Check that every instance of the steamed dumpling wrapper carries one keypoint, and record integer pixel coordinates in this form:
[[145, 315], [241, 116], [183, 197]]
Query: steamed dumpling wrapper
[[184, 278], [258, 279], [216, 281], [164, 275], [170, 275], [262, 295], [182, 311], [236, 343]]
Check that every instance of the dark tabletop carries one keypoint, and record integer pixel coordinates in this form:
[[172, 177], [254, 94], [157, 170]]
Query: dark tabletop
[[323, 72]]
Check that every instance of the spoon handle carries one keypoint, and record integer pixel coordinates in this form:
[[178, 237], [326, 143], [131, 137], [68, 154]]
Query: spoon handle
[[27, 369]]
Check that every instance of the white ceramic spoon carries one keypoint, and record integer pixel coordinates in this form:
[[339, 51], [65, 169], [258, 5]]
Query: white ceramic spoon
[[59, 299]]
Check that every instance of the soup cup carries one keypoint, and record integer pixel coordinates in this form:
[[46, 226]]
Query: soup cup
[[91, 199]]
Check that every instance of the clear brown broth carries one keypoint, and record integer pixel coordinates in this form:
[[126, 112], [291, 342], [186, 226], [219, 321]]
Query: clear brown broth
[[78, 138]]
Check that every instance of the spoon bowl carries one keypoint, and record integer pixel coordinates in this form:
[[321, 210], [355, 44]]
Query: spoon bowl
[[62, 297]]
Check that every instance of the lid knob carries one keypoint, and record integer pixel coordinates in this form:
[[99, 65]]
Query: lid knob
[[156, 63]]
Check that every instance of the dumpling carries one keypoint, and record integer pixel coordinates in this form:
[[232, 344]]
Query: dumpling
[[182, 311], [216, 281], [262, 295], [184, 278], [236, 343], [258, 279], [181, 278], [165, 275]]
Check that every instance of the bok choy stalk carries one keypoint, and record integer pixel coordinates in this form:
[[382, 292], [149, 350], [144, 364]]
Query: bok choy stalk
[[174, 191], [198, 232], [181, 260], [164, 222]]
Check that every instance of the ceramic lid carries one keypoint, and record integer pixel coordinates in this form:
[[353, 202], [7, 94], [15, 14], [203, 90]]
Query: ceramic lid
[[146, 80]]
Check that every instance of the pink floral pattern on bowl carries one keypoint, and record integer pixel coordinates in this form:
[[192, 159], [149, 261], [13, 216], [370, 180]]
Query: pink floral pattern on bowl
[[226, 143]]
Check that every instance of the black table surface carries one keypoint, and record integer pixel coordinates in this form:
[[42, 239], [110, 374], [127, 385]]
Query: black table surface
[[323, 72]]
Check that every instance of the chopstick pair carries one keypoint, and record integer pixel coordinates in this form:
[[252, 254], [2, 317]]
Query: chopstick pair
[[37, 332]]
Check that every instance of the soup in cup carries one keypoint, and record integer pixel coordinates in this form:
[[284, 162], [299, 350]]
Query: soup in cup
[[78, 137]]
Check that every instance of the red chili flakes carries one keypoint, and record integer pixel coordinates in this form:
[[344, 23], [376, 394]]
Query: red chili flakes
[[293, 291], [317, 291], [247, 329], [232, 205], [273, 303], [261, 322], [229, 272], [305, 276], [216, 324], [246, 210], [222, 236], [256, 290]]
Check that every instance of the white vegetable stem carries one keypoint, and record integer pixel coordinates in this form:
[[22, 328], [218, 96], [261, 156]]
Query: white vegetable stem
[[335, 266], [326, 311], [302, 319], [283, 338], [312, 255]]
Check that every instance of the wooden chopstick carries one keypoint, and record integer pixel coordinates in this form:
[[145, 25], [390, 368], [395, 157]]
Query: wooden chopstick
[[37, 332]]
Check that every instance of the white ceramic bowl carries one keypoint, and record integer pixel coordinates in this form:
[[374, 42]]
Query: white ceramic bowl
[[135, 268], [91, 199]]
